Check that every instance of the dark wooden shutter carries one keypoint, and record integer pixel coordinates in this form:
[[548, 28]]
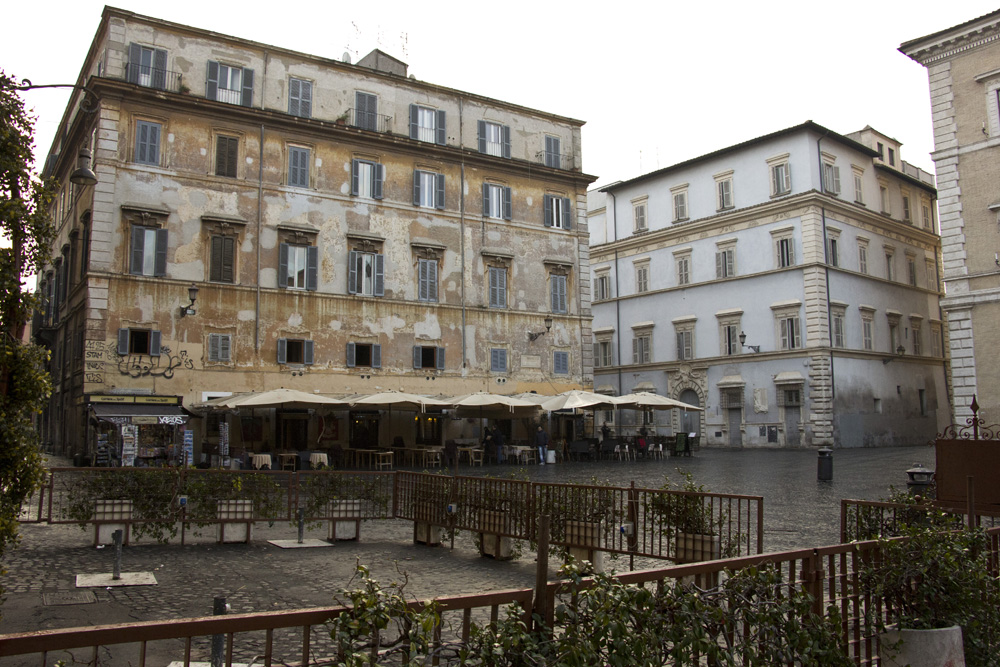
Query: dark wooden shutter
[[548, 210], [154, 343], [213, 347], [283, 265], [506, 203], [160, 261], [350, 355], [440, 358], [567, 217], [379, 275], [247, 99], [312, 268], [225, 347], [123, 336], [212, 82], [282, 350], [232, 155], [215, 262], [134, 63], [441, 136], [352, 272], [294, 93], [159, 69], [308, 350], [376, 356], [439, 194], [505, 137], [414, 127]]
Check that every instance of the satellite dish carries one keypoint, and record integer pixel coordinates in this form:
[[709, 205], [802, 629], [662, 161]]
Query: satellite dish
[[346, 58]]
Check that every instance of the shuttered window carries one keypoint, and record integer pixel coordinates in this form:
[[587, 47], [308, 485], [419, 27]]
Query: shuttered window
[[366, 111], [498, 360], [558, 288], [222, 269], [220, 347], [147, 66], [427, 280], [427, 124], [227, 152], [428, 189], [300, 98], [494, 139], [560, 362], [790, 337], [298, 266], [298, 167], [365, 273], [364, 354], [429, 357], [230, 84], [496, 201], [685, 345], [552, 153], [295, 351], [148, 251], [366, 179], [147, 142], [138, 341], [558, 212], [498, 287]]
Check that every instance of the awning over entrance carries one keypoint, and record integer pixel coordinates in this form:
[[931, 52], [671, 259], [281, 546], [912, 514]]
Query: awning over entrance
[[140, 413]]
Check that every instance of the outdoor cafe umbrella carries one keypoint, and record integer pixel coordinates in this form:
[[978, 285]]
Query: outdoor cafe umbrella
[[577, 398], [273, 398], [387, 400], [644, 400], [485, 405]]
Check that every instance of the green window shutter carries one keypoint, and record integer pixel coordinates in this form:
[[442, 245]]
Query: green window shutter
[[439, 194], [138, 244], [215, 262], [283, 265], [547, 201], [416, 187], [355, 177], [312, 268], [486, 199], [506, 203], [247, 98], [212, 81], [567, 217], [160, 261]]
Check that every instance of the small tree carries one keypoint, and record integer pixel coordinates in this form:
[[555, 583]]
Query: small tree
[[27, 233]]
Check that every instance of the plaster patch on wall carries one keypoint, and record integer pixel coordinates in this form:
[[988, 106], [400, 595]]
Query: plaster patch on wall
[[246, 315], [428, 329], [531, 361], [203, 151], [295, 320], [170, 137], [147, 308], [269, 277], [386, 325], [335, 325]]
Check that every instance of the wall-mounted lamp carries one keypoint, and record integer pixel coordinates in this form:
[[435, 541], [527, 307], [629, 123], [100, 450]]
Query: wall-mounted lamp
[[193, 295], [83, 175], [900, 350], [533, 336], [743, 341]]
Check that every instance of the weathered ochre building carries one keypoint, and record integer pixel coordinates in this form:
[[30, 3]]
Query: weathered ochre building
[[349, 229]]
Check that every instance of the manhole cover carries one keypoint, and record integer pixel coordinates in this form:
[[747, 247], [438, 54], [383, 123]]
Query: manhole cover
[[68, 597]]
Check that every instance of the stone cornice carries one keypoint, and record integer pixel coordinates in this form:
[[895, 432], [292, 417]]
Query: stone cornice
[[953, 41]]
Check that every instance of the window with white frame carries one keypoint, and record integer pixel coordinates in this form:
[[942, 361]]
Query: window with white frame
[[147, 142], [367, 177], [916, 330], [366, 273], [682, 259], [833, 247], [427, 124], [684, 337], [494, 139], [560, 362], [868, 328], [300, 97], [639, 223], [148, 256], [220, 348], [925, 214], [883, 195], [930, 273], [298, 266], [557, 288], [498, 286], [863, 255], [298, 166], [831, 176], [428, 189], [146, 66], [725, 259], [558, 212], [890, 252], [859, 193], [935, 340], [837, 316], [496, 201], [427, 280], [498, 360], [911, 269], [784, 247], [788, 330], [729, 332], [229, 83], [642, 344], [679, 194], [602, 354], [724, 190], [602, 286], [906, 208], [781, 175], [642, 276]]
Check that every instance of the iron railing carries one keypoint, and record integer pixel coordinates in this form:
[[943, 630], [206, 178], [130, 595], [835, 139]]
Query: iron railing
[[154, 77], [368, 120]]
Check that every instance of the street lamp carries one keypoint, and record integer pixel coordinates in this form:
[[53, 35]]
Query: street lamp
[[533, 336], [743, 340], [193, 295]]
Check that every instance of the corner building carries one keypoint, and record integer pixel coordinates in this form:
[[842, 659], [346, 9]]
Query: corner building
[[787, 285], [348, 227]]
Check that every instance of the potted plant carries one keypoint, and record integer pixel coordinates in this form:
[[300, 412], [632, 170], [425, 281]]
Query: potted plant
[[693, 524], [139, 501], [232, 500], [939, 593]]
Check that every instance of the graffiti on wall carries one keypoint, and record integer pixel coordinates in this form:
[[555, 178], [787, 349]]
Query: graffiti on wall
[[145, 365]]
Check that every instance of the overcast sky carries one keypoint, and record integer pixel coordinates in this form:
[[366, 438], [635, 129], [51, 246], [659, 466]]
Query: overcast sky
[[656, 83]]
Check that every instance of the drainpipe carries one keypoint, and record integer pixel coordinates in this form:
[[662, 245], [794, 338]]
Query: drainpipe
[[944, 353], [260, 217], [618, 307], [461, 229], [826, 272]]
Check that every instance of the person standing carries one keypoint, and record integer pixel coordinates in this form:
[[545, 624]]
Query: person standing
[[498, 442], [542, 442]]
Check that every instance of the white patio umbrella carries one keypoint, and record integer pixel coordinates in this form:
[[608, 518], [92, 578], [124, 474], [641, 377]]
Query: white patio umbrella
[[273, 398], [643, 400], [577, 398], [531, 397], [401, 400]]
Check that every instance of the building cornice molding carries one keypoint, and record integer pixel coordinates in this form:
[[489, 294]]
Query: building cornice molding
[[953, 41]]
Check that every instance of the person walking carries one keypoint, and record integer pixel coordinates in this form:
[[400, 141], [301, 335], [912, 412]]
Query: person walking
[[542, 442], [498, 442]]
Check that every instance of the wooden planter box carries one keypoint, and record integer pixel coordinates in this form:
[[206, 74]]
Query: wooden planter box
[[109, 516], [425, 531], [583, 539], [696, 547], [345, 523], [491, 542], [236, 520]]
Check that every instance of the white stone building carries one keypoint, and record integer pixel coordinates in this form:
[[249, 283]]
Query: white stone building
[[820, 248]]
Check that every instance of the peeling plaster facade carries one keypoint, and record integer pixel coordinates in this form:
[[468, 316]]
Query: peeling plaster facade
[[766, 238], [256, 173], [964, 79]]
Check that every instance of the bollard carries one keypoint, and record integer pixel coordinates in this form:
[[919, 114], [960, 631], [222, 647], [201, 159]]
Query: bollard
[[117, 537], [219, 608], [302, 523], [824, 465]]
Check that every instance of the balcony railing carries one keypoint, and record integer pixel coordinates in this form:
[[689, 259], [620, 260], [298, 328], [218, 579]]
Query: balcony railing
[[367, 120], [152, 77]]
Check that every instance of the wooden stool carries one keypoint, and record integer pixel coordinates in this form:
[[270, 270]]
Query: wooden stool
[[476, 457], [383, 461]]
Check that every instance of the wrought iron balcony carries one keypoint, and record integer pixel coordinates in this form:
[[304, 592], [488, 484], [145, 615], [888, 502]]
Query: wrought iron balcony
[[153, 77], [367, 120]]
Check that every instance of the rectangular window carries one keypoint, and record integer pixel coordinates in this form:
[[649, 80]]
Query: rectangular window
[[366, 355], [602, 289], [220, 348], [558, 212], [893, 337], [906, 209], [725, 263], [494, 139], [930, 273], [725, 187], [881, 150], [300, 97], [366, 273], [558, 293], [680, 206], [789, 328], [222, 265], [496, 201], [428, 357], [552, 152], [785, 250], [227, 153], [917, 335], [883, 193], [935, 340], [560, 362], [147, 142], [639, 217], [838, 328], [298, 167], [148, 252], [298, 266], [641, 348], [862, 258], [498, 360], [428, 189], [602, 354], [427, 280], [365, 111], [925, 212], [226, 83], [730, 336], [892, 157], [427, 124], [684, 270], [367, 178], [911, 270], [889, 273], [139, 341], [831, 179], [781, 179], [859, 196], [867, 330], [498, 287], [147, 67], [642, 277], [833, 251], [685, 345]]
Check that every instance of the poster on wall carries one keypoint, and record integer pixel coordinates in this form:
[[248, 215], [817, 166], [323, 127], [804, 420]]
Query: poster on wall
[[102, 456], [224, 444], [129, 445], [188, 456]]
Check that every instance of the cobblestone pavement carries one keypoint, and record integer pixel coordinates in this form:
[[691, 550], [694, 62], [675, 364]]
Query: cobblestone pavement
[[799, 512]]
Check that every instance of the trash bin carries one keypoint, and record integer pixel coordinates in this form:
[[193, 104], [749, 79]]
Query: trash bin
[[78, 460], [824, 465], [550, 456]]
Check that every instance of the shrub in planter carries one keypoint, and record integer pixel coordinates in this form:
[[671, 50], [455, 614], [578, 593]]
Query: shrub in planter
[[692, 524], [210, 494], [150, 491]]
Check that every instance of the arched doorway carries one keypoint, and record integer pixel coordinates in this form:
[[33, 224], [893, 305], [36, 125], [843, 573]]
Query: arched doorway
[[690, 420]]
